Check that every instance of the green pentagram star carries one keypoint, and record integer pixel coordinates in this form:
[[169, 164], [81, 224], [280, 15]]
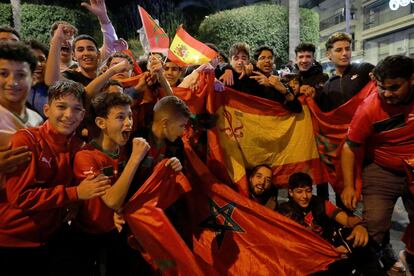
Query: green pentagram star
[[213, 221]]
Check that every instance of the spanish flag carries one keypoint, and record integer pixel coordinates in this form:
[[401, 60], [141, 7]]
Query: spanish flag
[[251, 131], [186, 50]]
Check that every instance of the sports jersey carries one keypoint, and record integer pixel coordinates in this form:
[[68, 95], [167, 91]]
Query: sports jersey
[[34, 200], [94, 215], [386, 130]]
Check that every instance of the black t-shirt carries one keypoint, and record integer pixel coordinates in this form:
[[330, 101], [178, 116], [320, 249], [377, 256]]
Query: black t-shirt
[[338, 90], [252, 87], [76, 76]]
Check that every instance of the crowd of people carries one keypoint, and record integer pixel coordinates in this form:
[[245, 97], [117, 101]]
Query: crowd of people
[[82, 128]]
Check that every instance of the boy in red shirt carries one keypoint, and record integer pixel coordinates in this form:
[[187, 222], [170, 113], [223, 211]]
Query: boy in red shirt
[[322, 217], [34, 201], [105, 155]]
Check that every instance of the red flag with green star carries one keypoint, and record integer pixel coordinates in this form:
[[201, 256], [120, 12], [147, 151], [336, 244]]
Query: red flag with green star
[[237, 236], [159, 242], [158, 40]]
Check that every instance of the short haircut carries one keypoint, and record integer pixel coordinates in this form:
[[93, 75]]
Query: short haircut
[[37, 45], [260, 50], [169, 60], [56, 24], [8, 29], [110, 83], [256, 168], [119, 55], [103, 102], [300, 180], [223, 55], [63, 88], [239, 47], [85, 37], [337, 37], [395, 66], [289, 77], [212, 46], [305, 47], [18, 51], [173, 106]]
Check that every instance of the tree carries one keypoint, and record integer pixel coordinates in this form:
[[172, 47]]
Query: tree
[[260, 24]]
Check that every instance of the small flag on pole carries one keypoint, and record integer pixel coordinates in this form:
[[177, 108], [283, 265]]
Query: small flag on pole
[[158, 40], [186, 50]]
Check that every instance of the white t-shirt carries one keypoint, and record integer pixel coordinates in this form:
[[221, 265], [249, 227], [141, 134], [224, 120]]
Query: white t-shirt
[[10, 123]]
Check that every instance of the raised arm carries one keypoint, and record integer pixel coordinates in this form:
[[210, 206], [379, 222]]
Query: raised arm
[[98, 8], [115, 196], [63, 33], [93, 88]]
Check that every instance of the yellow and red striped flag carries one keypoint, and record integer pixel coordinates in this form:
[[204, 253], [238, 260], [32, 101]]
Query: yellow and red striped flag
[[186, 50]]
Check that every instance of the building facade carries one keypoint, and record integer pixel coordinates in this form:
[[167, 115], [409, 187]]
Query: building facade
[[376, 28]]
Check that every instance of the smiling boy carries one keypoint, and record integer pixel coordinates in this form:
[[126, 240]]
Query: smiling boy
[[35, 198], [320, 216], [17, 64]]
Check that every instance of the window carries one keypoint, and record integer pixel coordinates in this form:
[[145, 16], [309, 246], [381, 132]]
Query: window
[[411, 45], [383, 49]]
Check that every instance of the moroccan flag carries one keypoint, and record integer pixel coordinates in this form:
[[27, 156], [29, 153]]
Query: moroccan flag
[[158, 40], [251, 131], [162, 246], [196, 100], [330, 130], [186, 50], [137, 69], [237, 236]]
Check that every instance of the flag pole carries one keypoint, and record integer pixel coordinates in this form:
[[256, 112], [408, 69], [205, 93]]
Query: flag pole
[[163, 81]]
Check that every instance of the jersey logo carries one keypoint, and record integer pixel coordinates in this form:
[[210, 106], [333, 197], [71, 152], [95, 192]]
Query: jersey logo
[[44, 159], [86, 173]]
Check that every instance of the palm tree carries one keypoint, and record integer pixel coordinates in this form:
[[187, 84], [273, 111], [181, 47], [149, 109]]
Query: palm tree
[[16, 10]]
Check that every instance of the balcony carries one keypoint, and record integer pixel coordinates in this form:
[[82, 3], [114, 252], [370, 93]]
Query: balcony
[[334, 20], [379, 13]]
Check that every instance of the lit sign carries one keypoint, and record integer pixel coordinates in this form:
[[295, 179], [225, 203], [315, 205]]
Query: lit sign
[[395, 4]]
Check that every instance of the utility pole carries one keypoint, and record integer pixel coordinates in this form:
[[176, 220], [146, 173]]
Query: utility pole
[[293, 27], [347, 17]]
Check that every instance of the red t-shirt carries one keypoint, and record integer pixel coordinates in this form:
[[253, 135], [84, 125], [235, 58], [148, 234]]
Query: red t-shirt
[[386, 130], [94, 215]]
